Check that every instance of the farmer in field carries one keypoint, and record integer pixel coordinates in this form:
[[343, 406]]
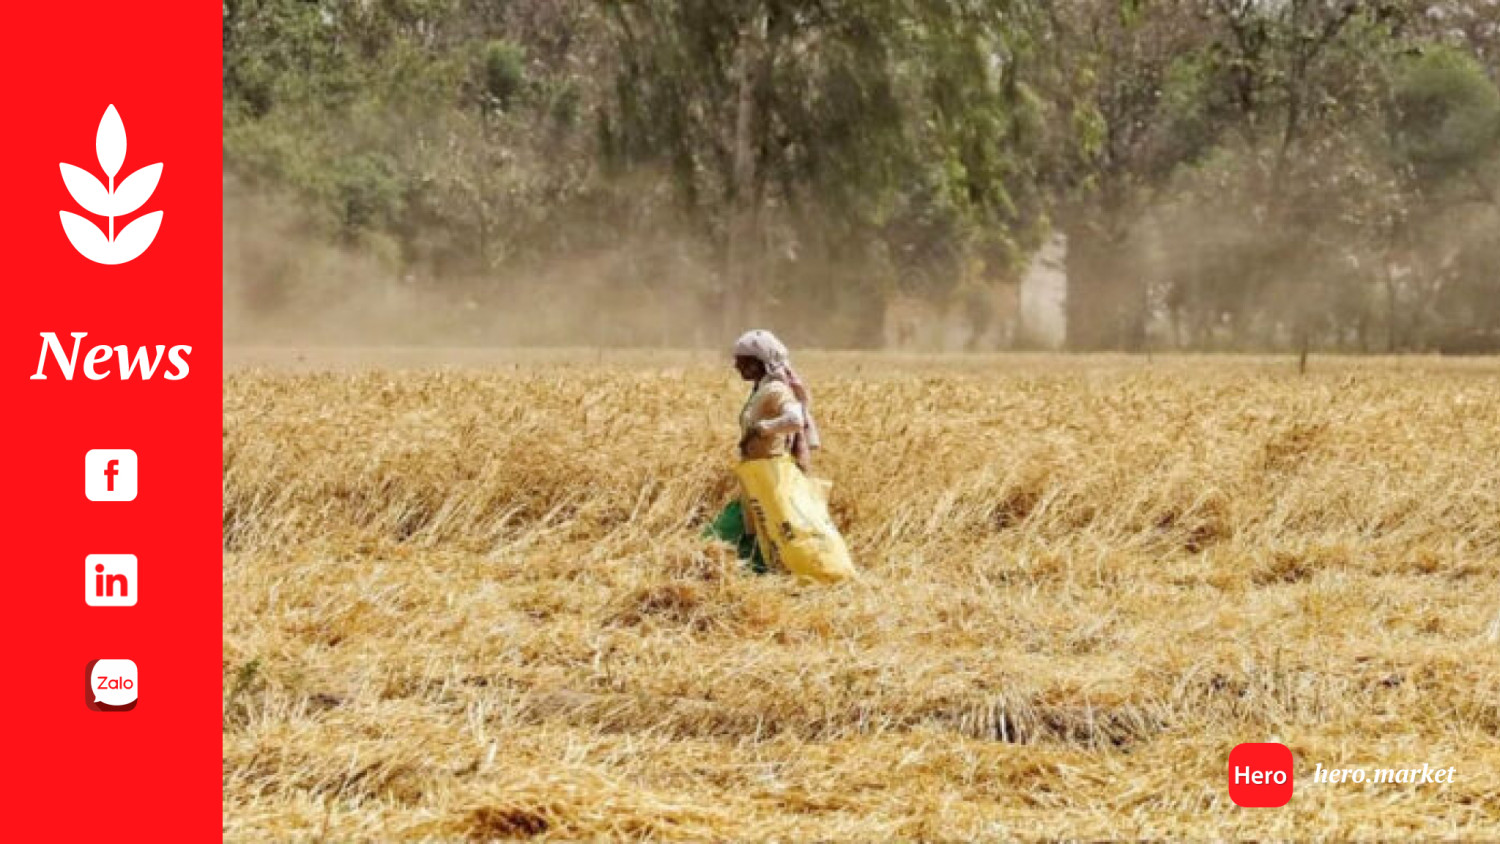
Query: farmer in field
[[783, 518]]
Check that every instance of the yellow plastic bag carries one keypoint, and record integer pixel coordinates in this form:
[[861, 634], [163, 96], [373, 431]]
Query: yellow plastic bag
[[792, 526]]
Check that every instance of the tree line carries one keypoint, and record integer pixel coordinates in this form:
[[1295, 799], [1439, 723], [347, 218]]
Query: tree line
[[1229, 174]]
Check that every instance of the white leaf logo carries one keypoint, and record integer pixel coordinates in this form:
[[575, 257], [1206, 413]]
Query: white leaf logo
[[111, 202]]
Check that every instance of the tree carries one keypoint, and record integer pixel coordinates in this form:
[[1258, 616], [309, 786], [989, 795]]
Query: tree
[[822, 131]]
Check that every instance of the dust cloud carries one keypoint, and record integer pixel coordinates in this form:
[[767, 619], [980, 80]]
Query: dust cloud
[[287, 283]]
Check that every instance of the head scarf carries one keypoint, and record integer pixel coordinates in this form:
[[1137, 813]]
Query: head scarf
[[764, 347]]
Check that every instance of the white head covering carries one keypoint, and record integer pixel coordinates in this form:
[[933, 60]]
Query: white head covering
[[764, 347]]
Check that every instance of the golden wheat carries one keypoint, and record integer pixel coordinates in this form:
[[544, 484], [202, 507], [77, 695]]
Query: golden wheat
[[472, 604]]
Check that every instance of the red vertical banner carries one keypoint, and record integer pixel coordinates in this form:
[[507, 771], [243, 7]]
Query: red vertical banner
[[110, 348]]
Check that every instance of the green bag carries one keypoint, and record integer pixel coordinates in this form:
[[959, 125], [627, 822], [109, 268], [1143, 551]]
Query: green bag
[[729, 526]]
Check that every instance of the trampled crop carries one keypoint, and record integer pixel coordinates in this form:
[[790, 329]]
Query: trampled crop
[[472, 604]]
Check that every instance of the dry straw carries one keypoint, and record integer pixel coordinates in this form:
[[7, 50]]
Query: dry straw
[[471, 604]]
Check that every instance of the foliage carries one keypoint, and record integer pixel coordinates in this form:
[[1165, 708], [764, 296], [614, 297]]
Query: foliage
[[1447, 112], [802, 164]]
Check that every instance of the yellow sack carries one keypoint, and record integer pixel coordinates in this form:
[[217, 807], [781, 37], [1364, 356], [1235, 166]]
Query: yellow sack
[[792, 526]]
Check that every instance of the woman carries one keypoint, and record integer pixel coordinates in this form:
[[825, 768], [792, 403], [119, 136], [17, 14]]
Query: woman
[[777, 419], [783, 510]]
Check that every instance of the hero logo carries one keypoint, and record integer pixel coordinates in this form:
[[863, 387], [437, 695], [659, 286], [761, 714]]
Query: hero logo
[[111, 202], [142, 361]]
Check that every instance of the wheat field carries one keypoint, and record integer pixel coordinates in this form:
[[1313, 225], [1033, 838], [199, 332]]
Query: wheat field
[[466, 599]]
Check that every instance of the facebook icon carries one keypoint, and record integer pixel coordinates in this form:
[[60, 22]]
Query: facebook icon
[[109, 474]]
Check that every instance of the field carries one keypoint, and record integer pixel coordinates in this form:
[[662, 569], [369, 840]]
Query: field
[[465, 599]]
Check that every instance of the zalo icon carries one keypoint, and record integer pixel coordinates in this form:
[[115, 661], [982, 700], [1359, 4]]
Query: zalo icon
[[113, 685]]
